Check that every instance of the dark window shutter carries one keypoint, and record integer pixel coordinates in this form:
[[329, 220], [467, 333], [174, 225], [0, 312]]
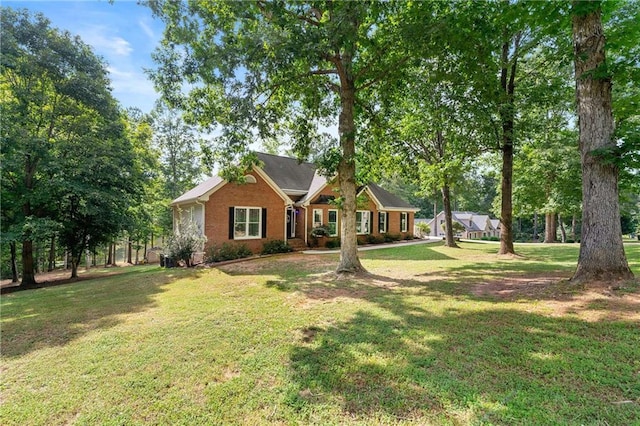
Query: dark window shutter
[[232, 211], [379, 222], [264, 223], [371, 222]]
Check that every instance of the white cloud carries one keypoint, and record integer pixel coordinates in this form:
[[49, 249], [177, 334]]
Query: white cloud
[[132, 88], [130, 81], [109, 46], [147, 29]]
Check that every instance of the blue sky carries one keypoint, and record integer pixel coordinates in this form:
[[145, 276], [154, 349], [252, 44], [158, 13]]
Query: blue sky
[[123, 33]]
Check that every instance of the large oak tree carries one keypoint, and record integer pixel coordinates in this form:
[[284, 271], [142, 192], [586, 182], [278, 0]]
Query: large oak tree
[[275, 70], [602, 254]]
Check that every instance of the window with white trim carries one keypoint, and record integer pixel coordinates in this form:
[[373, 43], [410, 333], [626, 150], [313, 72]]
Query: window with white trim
[[382, 222], [247, 223], [317, 217], [363, 222], [333, 223], [404, 222]]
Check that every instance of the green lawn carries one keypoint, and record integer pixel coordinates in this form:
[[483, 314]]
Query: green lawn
[[432, 336]]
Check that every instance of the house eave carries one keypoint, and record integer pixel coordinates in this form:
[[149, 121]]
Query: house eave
[[295, 192], [399, 209]]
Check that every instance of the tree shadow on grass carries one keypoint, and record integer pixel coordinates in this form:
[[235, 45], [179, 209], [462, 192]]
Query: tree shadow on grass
[[54, 316], [487, 362], [403, 362]]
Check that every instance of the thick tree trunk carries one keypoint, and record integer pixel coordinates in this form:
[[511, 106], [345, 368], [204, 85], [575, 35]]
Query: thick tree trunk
[[549, 227], [14, 262], [507, 116], [448, 221], [602, 254], [28, 270], [75, 261], [563, 232], [349, 261]]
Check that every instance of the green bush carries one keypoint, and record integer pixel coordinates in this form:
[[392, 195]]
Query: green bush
[[332, 243], [374, 239], [275, 246], [423, 229], [227, 251], [388, 238], [408, 237]]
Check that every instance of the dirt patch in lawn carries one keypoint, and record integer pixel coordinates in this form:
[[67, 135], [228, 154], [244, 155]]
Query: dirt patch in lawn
[[59, 277], [290, 261], [593, 302]]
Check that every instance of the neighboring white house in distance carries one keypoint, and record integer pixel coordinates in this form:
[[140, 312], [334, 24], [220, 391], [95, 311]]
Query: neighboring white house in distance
[[475, 225]]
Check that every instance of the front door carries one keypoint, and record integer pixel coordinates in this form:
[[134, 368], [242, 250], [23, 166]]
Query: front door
[[291, 223]]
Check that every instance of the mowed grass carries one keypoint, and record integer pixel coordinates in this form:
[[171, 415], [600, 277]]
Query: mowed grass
[[431, 336]]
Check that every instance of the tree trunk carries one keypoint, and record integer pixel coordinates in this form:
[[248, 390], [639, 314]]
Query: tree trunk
[[36, 259], [28, 272], [75, 261], [349, 261], [14, 260], [535, 227], [448, 221], [602, 254], [507, 115], [52, 255], [549, 227], [435, 215], [129, 251], [114, 259], [109, 255], [563, 232]]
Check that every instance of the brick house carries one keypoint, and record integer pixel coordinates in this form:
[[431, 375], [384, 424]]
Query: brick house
[[476, 226], [283, 199]]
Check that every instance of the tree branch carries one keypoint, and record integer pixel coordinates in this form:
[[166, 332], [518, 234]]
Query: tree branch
[[323, 72], [382, 74]]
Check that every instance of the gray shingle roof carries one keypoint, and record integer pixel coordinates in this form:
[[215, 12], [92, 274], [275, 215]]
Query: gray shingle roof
[[288, 173], [199, 190], [387, 199]]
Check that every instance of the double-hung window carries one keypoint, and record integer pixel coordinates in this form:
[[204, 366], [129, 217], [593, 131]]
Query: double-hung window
[[333, 223], [247, 223], [382, 222], [317, 218], [404, 222], [363, 222]]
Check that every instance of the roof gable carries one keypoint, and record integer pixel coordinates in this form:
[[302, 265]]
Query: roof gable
[[290, 175], [387, 200], [201, 190]]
